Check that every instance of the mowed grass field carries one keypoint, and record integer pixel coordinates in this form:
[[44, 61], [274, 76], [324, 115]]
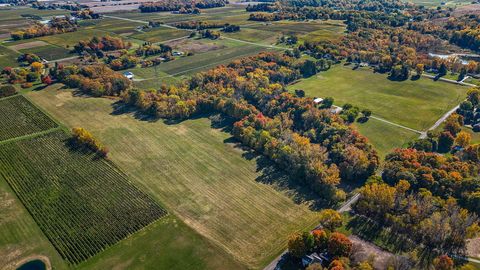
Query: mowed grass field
[[194, 170], [385, 137], [415, 104]]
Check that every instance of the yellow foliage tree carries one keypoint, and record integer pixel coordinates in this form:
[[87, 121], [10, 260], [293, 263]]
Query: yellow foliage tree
[[463, 139]]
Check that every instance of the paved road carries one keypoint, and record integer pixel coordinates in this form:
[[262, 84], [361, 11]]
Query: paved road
[[439, 121], [450, 81], [344, 208]]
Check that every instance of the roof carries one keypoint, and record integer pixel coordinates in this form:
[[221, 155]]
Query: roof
[[128, 73], [318, 100]]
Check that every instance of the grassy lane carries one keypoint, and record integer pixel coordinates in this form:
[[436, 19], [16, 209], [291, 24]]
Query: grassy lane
[[190, 168], [415, 104]]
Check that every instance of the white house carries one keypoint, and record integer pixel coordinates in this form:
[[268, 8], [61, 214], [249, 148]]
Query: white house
[[129, 75]]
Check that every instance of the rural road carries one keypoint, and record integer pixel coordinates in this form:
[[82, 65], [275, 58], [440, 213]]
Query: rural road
[[450, 81], [344, 208], [439, 121]]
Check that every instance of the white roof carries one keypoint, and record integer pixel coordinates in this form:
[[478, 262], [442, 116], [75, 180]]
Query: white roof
[[318, 100]]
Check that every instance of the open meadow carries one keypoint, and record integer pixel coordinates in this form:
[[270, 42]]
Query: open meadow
[[196, 171], [414, 104]]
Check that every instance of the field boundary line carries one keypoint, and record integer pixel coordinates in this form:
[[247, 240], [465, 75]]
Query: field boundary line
[[30, 136], [395, 124]]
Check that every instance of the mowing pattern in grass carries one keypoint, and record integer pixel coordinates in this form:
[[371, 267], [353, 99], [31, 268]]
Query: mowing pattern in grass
[[83, 204], [19, 117]]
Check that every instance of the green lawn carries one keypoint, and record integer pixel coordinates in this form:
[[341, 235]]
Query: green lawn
[[385, 137], [196, 173], [112, 25], [415, 104]]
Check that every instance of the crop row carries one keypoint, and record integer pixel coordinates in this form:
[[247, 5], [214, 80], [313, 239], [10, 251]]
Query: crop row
[[19, 117], [82, 203]]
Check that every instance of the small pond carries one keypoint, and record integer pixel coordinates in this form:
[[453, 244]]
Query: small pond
[[33, 265]]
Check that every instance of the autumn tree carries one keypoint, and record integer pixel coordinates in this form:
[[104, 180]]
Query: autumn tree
[[330, 219], [463, 139], [443, 262], [7, 90], [300, 244], [320, 238], [339, 245]]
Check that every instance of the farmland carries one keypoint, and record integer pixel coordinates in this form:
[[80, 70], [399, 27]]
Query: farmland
[[83, 204], [184, 186], [19, 117], [201, 178]]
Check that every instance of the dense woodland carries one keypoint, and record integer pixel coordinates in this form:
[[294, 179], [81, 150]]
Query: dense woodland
[[438, 224], [398, 38]]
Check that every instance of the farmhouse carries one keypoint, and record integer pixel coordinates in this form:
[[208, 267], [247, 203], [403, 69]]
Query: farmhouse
[[314, 258]]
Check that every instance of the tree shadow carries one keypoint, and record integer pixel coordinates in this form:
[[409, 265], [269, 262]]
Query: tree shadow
[[415, 77], [362, 119], [270, 174], [371, 231], [83, 150]]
